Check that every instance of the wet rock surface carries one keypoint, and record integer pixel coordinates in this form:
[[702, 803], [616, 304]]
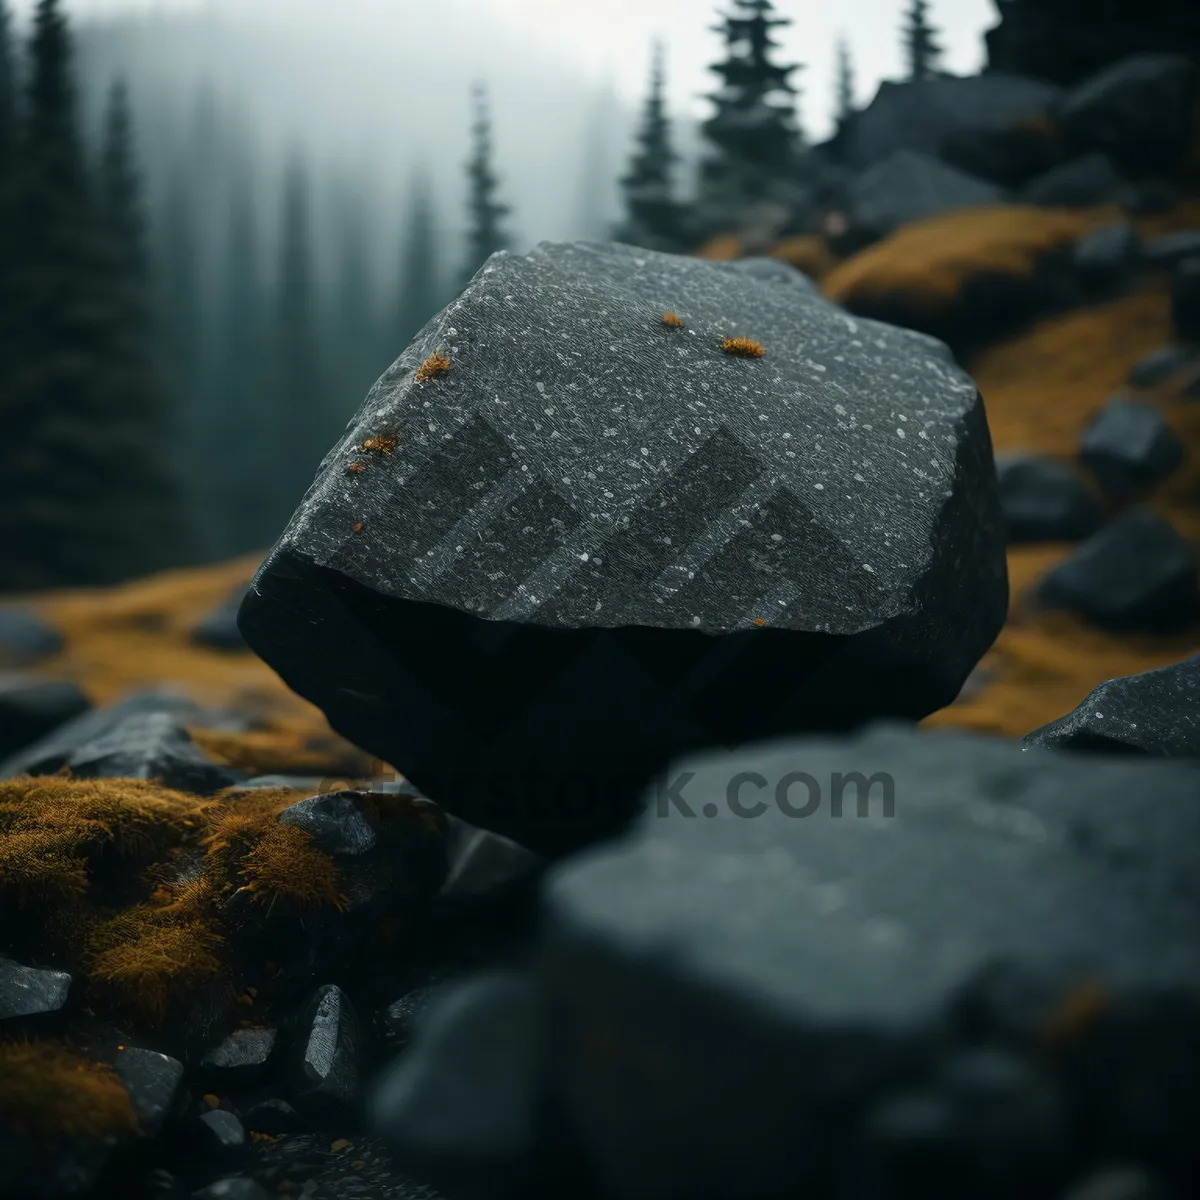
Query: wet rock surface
[[1156, 712], [710, 965], [564, 552]]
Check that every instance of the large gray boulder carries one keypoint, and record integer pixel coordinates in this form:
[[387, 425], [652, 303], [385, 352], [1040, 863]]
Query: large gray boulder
[[598, 538], [816, 957], [920, 115], [908, 187]]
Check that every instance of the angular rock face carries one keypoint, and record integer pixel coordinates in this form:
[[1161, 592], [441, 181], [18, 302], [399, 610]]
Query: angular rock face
[[1129, 448], [1045, 501], [1105, 258], [1156, 712], [907, 187], [598, 538], [956, 961], [1080, 183]]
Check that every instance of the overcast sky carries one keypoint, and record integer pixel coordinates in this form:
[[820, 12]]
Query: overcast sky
[[609, 38]]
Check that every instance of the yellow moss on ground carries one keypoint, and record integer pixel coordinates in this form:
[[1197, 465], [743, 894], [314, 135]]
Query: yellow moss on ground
[[1041, 390], [46, 1091], [808, 253]]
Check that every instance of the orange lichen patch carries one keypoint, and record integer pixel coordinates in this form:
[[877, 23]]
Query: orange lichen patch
[[287, 747], [759, 622], [722, 248], [52, 830], [432, 367], [742, 347], [355, 468], [340, 1145], [48, 1091], [1040, 391], [808, 253], [674, 320], [358, 527], [925, 265], [144, 958], [381, 443]]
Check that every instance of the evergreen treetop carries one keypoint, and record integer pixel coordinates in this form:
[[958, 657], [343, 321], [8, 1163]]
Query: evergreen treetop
[[922, 48], [120, 187], [844, 105], [485, 234]]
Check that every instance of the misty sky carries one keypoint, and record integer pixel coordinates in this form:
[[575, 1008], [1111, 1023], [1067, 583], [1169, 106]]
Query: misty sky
[[607, 39]]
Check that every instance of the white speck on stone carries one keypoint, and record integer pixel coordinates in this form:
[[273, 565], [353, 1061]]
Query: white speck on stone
[[819, 486], [900, 433], [583, 557]]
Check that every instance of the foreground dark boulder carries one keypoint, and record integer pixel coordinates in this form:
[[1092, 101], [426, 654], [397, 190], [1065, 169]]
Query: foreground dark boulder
[[1156, 712], [968, 965], [598, 538]]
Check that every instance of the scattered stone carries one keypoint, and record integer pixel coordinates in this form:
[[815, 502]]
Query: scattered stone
[[1129, 448], [221, 1130], [1148, 198], [334, 821], [327, 1054], [25, 639], [1172, 248], [398, 1022], [1080, 183], [923, 115], [1156, 712], [774, 270], [631, 587], [482, 863], [235, 1187], [1139, 111], [712, 963], [907, 187], [1185, 299], [30, 708], [1008, 157], [1106, 257], [219, 630], [1044, 501], [1120, 1183], [1135, 575], [461, 1109], [154, 1083], [274, 1117], [1161, 365], [298, 783], [30, 991], [241, 1059]]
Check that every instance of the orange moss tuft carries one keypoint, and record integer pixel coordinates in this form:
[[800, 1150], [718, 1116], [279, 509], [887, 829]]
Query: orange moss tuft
[[381, 443], [285, 748], [924, 266], [673, 320], [355, 468], [432, 367], [48, 1091], [808, 253], [742, 347], [722, 248]]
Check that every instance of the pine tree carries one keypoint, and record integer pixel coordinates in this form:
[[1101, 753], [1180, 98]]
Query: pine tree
[[303, 426], [485, 234], [84, 493], [922, 48], [654, 218], [418, 291], [755, 129], [844, 106]]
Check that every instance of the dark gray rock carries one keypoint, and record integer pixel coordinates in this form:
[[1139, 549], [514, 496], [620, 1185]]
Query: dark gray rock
[[1148, 198], [1129, 448], [599, 540], [233, 1187], [334, 821], [154, 1083], [1044, 501], [397, 1024], [1008, 157], [1172, 248], [25, 639], [299, 783], [30, 708], [774, 270], [241, 1059], [1107, 257], [221, 1131], [907, 187], [219, 630], [1139, 111], [1161, 365], [1156, 712], [55, 751], [274, 1117], [482, 863], [714, 970], [1080, 183], [30, 991], [326, 1057], [921, 115], [1135, 575], [463, 1108], [1185, 299]]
